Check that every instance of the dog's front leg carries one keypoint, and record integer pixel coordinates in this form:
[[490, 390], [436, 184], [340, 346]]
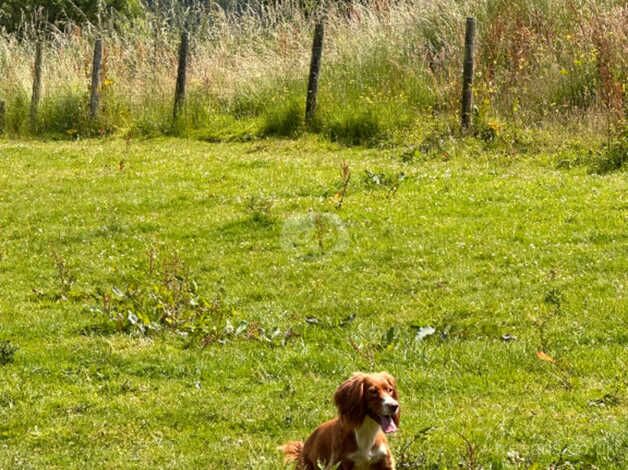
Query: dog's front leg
[[347, 465]]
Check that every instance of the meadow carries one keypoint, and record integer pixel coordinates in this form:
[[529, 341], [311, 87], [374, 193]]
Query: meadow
[[183, 304], [189, 293]]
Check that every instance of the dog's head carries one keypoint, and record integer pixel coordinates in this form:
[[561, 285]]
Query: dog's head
[[373, 395]]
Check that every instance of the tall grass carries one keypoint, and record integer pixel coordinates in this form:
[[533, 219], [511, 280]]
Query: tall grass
[[386, 65]]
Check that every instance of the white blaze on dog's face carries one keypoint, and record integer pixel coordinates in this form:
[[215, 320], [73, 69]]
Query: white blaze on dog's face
[[382, 404]]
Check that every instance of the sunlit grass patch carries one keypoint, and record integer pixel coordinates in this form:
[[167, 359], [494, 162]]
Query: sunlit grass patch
[[487, 279]]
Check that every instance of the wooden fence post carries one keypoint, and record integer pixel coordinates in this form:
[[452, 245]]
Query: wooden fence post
[[37, 72], [2, 116], [315, 69], [179, 93], [94, 98], [467, 74]]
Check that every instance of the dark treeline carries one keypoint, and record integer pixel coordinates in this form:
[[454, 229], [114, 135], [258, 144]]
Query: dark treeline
[[15, 15]]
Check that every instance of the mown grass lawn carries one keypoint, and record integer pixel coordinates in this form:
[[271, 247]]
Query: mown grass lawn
[[478, 245]]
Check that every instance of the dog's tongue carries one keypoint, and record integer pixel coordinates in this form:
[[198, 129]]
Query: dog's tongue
[[387, 424]]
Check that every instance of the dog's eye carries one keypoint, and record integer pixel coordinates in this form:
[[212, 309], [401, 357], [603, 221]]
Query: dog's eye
[[373, 391]]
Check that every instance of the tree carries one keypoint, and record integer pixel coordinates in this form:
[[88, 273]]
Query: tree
[[13, 13]]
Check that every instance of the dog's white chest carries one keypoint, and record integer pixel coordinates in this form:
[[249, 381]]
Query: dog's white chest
[[363, 459], [367, 453]]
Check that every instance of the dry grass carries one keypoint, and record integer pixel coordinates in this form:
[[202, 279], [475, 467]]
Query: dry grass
[[391, 61]]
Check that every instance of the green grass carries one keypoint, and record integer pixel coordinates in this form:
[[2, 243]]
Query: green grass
[[476, 242]]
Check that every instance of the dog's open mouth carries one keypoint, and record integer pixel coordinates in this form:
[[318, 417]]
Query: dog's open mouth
[[387, 423]]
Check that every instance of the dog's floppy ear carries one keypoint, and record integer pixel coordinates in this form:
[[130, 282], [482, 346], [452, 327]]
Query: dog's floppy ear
[[350, 399], [397, 415], [395, 394]]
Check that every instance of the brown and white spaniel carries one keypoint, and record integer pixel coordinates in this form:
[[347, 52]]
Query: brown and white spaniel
[[368, 408]]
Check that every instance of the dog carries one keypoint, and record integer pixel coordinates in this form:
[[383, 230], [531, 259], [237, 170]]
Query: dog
[[368, 408]]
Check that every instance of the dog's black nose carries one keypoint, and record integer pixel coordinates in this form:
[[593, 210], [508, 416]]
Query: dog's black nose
[[394, 408]]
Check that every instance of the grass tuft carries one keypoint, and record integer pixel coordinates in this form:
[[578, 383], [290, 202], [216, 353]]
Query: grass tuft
[[356, 127], [7, 352], [613, 155], [285, 120]]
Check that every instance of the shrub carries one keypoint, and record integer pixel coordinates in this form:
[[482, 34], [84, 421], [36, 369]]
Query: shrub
[[613, 155]]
